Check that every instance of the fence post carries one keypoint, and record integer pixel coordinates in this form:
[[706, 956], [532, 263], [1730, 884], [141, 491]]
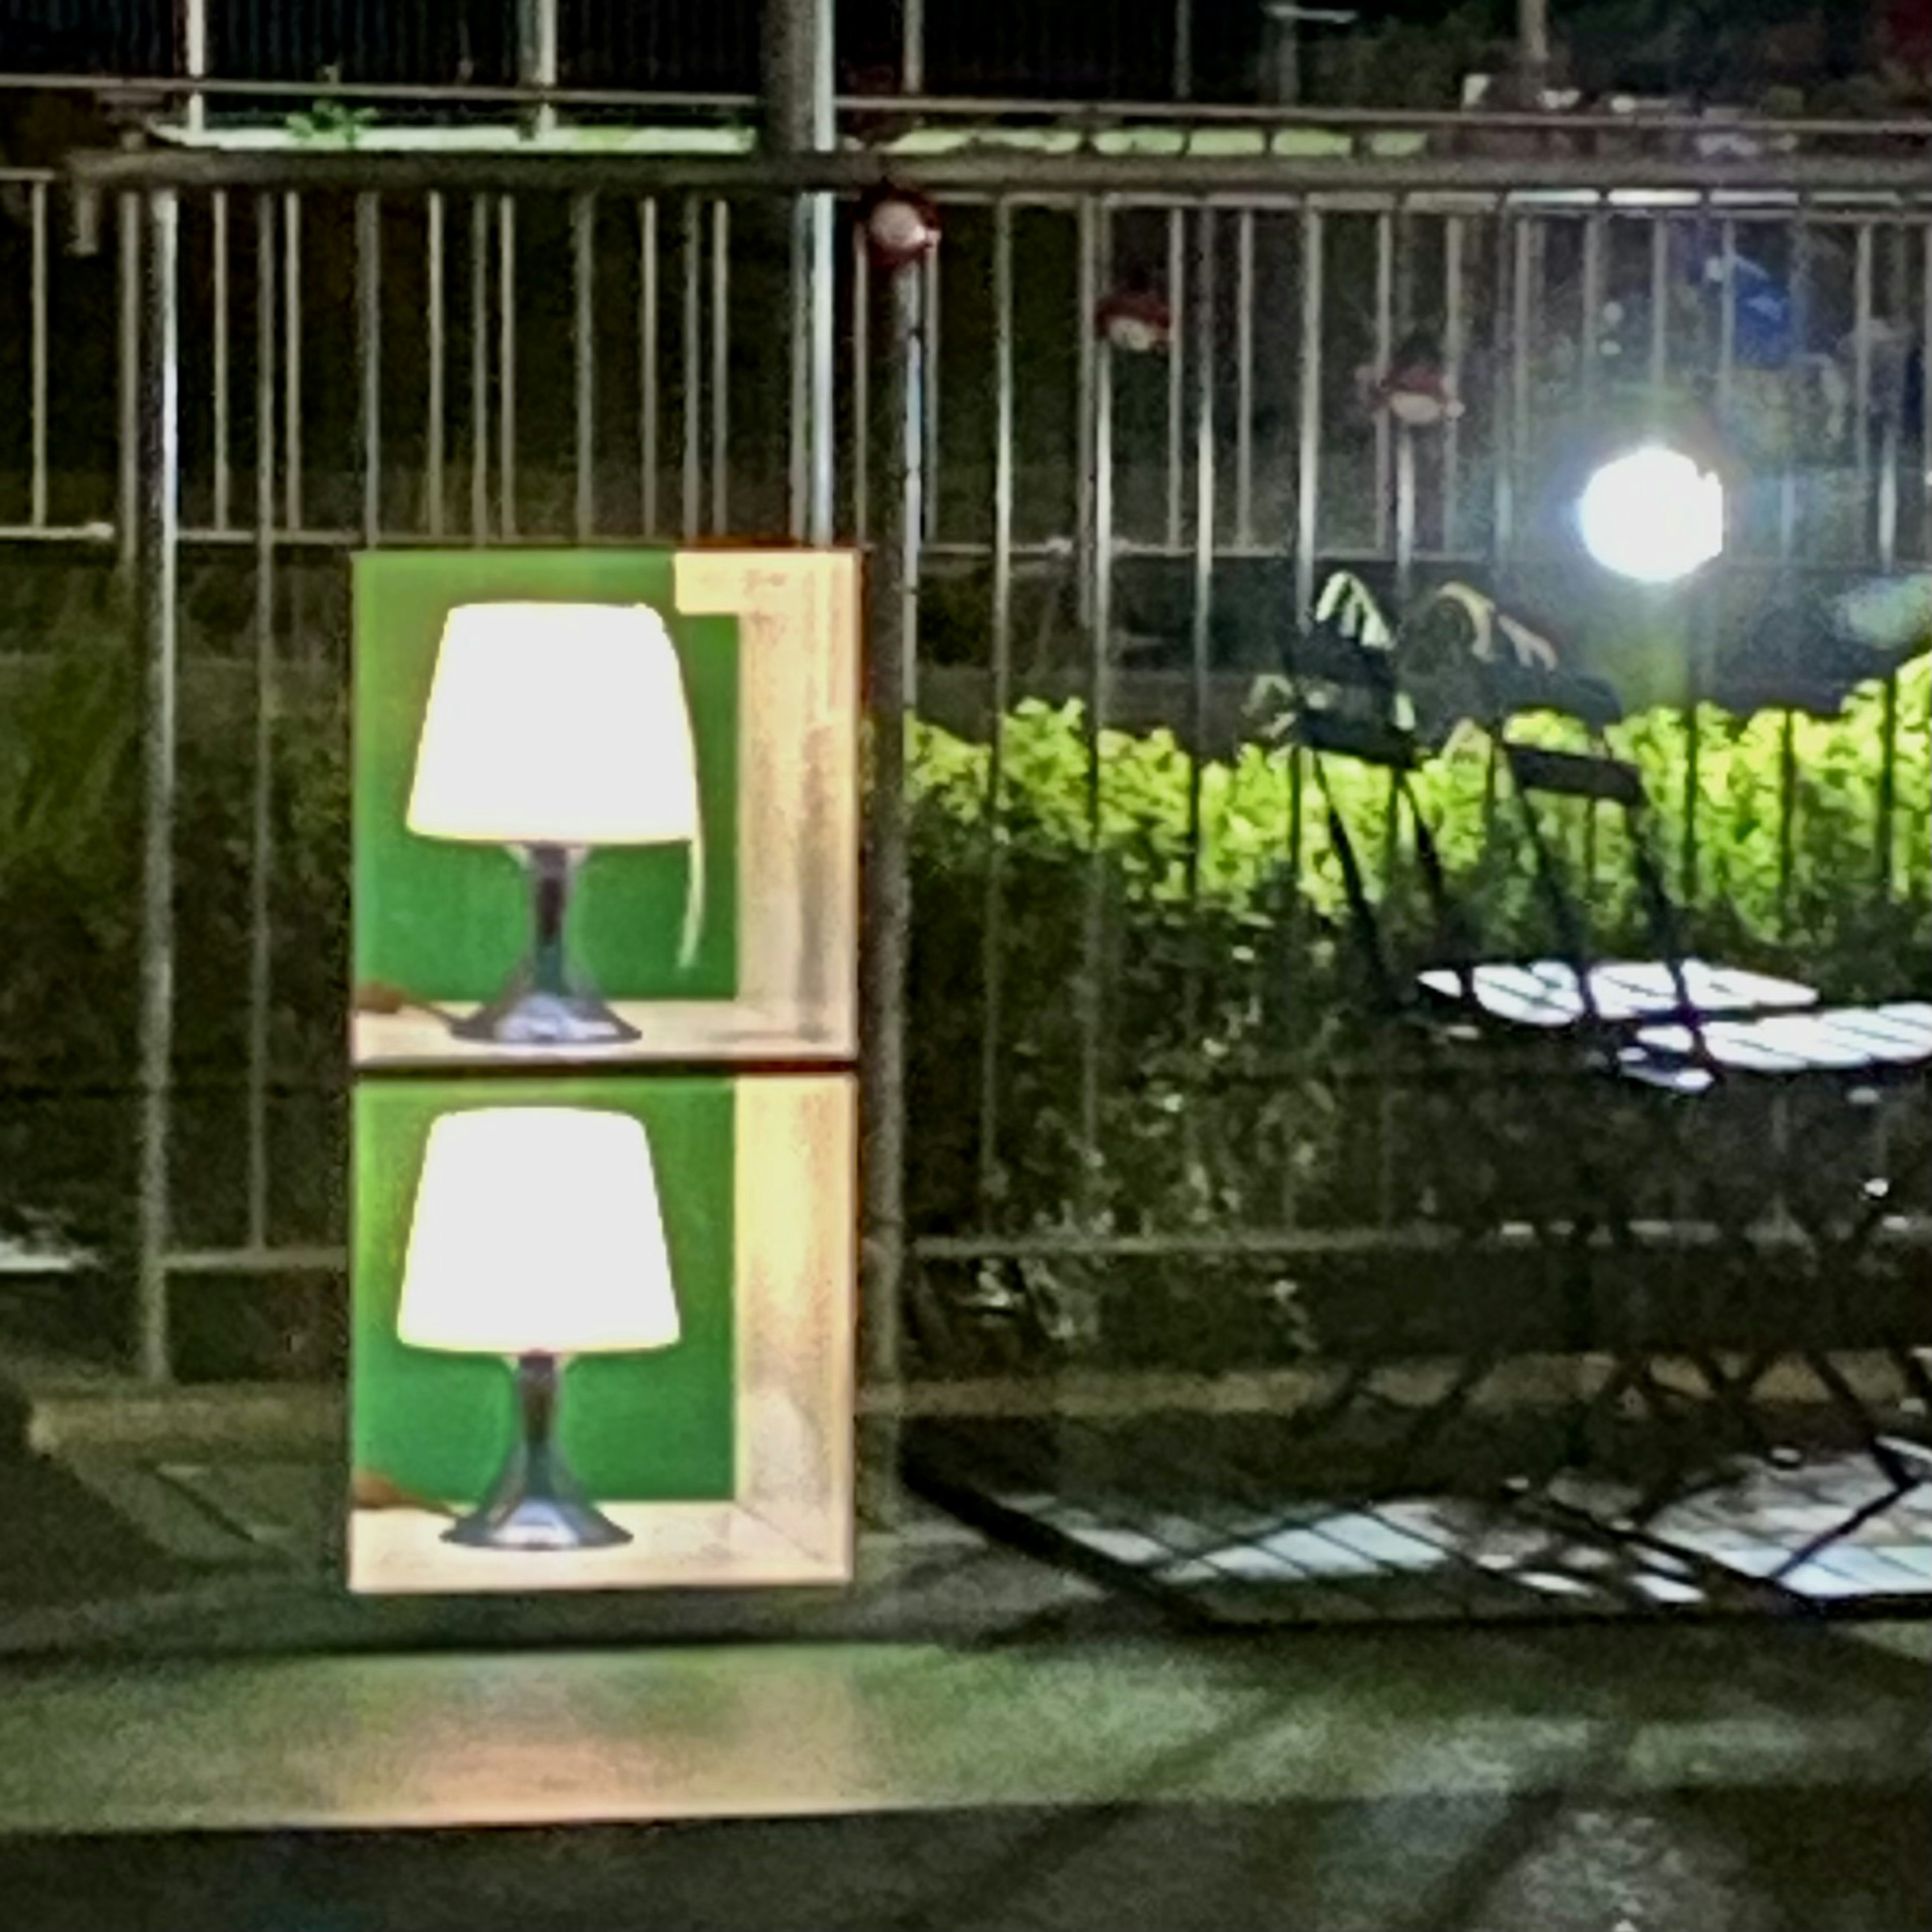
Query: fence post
[[194, 57], [537, 62], [159, 536], [1533, 50], [801, 118], [894, 640], [127, 401], [912, 47]]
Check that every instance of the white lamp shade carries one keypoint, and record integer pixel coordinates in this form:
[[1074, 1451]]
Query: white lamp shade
[[1653, 515], [537, 1231], [558, 724]]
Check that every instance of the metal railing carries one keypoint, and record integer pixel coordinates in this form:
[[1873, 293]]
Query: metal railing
[[319, 353], [671, 45]]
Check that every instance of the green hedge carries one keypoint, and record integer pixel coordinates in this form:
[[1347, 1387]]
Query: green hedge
[[1262, 967], [1250, 966]]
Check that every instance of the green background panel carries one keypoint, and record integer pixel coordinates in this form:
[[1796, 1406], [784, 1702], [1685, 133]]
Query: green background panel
[[447, 922], [638, 1427]]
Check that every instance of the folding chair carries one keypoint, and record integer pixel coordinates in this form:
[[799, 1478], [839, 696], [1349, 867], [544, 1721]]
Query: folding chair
[[1686, 1029]]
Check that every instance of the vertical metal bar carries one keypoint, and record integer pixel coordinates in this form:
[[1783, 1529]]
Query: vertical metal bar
[[912, 48], [1184, 49], [1788, 544], [583, 351], [439, 374], [888, 911], [797, 74], [537, 64], [693, 369], [1201, 630], [1099, 692], [1308, 480], [1532, 18], [37, 400], [1455, 353], [720, 366], [1177, 373], [1727, 314], [547, 64], [1402, 268], [261, 861], [1789, 514], [647, 364], [1502, 328], [1887, 557], [798, 332], [1244, 379], [822, 373], [194, 58], [1281, 59], [291, 337], [218, 217], [1087, 301], [1384, 354], [929, 394], [1863, 321], [1594, 235], [506, 365], [1925, 399], [1892, 432], [128, 502], [369, 357], [1307, 508], [1660, 307], [814, 384], [861, 387], [1528, 255], [159, 537], [479, 369], [993, 922], [1404, 521]]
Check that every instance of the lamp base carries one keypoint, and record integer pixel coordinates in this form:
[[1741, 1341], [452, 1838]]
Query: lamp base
[[523, 1016], [536, 1502], [546, 1004], [536, 1523]]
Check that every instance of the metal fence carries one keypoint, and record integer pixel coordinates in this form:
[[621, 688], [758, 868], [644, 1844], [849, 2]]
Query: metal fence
[[1171, 50], [319, 354]]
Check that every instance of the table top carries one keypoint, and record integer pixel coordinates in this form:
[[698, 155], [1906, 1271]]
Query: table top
[[1832, 1040], [1545, 993]]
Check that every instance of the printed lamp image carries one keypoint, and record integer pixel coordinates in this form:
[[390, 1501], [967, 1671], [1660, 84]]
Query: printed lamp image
[[554, 729], [537, 1236]]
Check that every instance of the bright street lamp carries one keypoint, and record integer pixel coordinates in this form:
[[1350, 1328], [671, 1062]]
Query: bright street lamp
[[1653, 515]]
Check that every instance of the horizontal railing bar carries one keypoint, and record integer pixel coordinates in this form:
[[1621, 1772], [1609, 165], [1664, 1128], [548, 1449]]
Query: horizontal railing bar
[[178, 87], [257, 1260], [87, 533], [1190, 175], [1051, 551], [1245, 114], [1757, 209], [1527, 1378], [940, 107], [1414, 1239], [1913, 1232]]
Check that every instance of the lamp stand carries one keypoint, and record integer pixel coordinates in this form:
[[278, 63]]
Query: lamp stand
[[545, 1004], [536, 1502]]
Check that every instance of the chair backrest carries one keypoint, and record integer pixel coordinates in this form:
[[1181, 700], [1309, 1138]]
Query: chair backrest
[[1360, 688]]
